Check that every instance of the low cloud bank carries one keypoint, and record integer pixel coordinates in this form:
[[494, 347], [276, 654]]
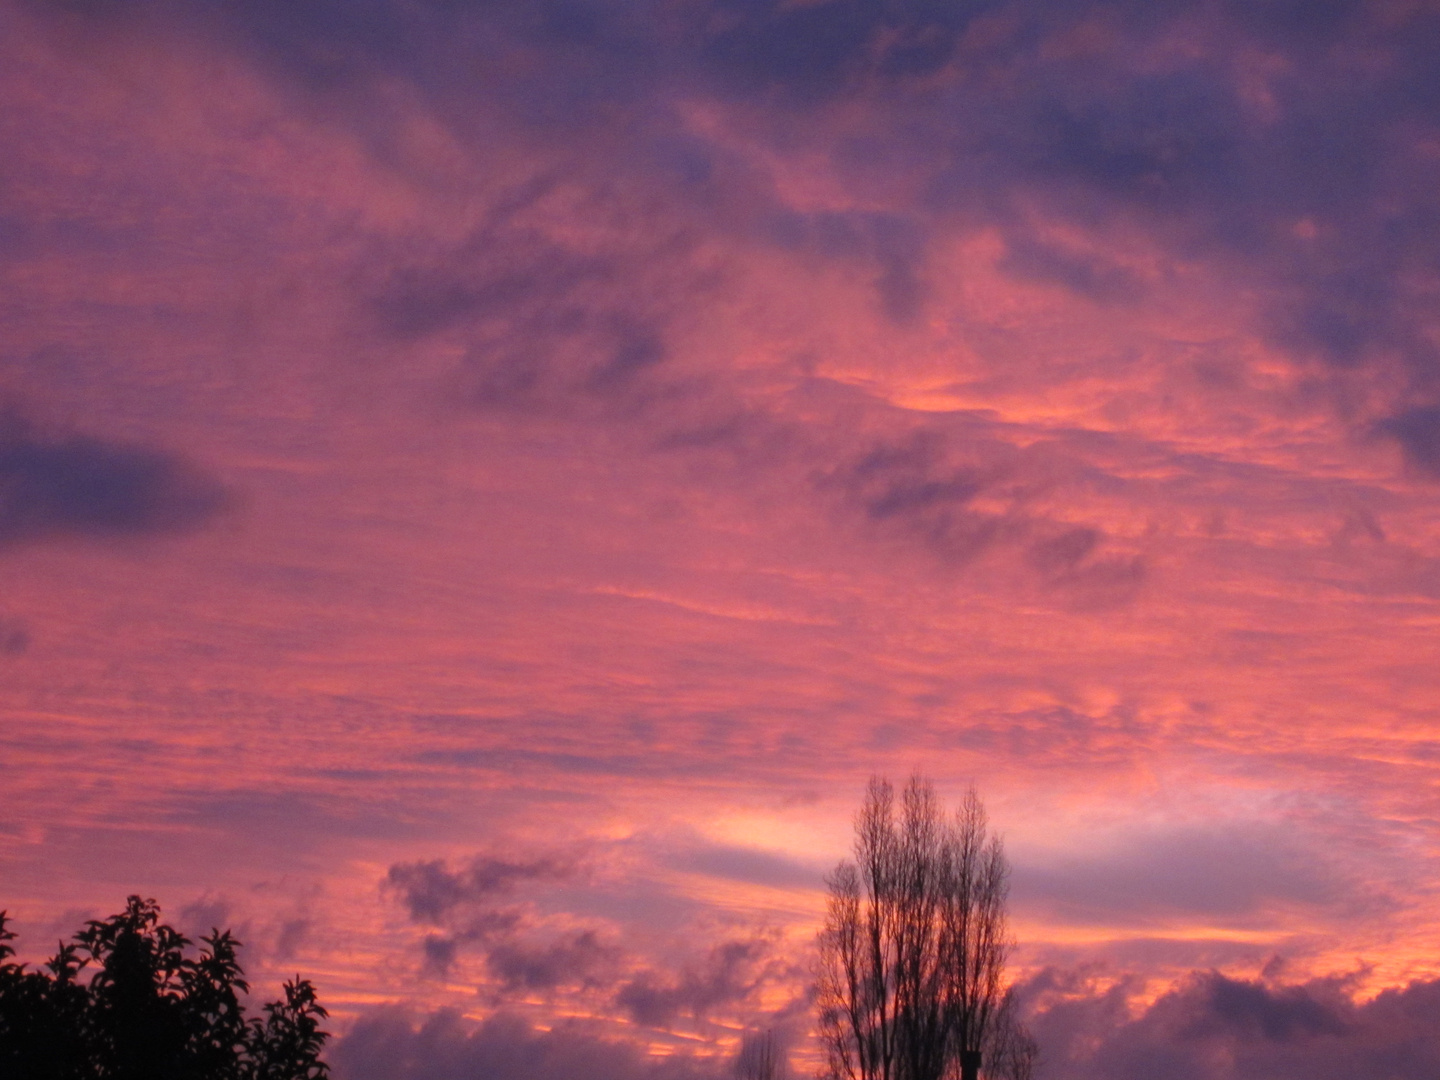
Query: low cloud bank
[[1212, 1027], [1207, 1027], [387, 1045]]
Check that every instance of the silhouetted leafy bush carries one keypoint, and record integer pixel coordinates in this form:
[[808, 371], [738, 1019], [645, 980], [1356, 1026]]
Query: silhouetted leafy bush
[[149, 1011]]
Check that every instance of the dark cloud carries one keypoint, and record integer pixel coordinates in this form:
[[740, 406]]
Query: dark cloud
[[1282, 1014], [818, 50], [1084, 273], [893, 243], [431, 891], [78, 486], [1305, 175], [1064, 551], [448, 51], [1073, 562], [613, 54], [545, 327], [439, 953], [1211, 1026], [580, 959], [550, 329], [912, 487], [1418, 433], [525, 955], [963, 497], [502, 268], [1160, 140], [386, 1046], [478, 911], [14, 637], [1302, 178], [293, 934], [205, 914], [1306, 20], [731, 974], [1304, 184]]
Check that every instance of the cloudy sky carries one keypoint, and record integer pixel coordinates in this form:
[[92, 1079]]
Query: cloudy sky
[[482, 487]]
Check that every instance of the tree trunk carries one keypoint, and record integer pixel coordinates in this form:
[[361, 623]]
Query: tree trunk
[[969, 1065]]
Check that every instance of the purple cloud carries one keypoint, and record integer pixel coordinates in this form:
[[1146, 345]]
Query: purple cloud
[[387, 1046], [1212, 1026], [76, 486]]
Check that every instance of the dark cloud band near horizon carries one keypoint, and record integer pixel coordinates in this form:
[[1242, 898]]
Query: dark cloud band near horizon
[[1208, 1027], [483, 486]]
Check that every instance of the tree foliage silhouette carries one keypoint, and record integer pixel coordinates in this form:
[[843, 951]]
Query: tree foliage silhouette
[[912, 954], [150, 1010]]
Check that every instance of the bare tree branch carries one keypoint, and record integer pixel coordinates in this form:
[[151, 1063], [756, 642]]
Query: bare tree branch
[[761, 1059], [912, 956]]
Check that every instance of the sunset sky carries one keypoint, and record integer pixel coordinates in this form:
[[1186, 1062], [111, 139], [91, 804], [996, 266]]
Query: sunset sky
[[483, 486]]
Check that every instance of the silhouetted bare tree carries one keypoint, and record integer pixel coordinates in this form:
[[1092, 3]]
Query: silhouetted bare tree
[[151, 1010], [760, 1058], [912, 955], [1010, 1051]]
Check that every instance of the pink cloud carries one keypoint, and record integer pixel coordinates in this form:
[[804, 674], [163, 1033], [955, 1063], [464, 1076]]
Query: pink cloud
[[635, 427]]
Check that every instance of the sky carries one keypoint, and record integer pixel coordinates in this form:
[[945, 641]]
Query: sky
[[484, 486]]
